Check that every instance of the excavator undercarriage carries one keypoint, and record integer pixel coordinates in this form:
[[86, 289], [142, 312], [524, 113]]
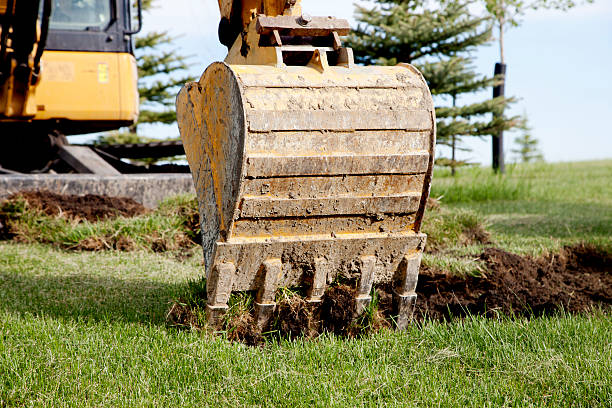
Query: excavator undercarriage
[[307, 167]]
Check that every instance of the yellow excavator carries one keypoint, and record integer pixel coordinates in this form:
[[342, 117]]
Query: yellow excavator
[[66, 67], [307, 167]]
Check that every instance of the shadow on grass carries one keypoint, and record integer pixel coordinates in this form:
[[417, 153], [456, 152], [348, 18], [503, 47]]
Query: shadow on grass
[[86, 297]]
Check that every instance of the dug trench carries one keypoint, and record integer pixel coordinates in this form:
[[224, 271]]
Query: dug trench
[[29, 216], [89, 207]]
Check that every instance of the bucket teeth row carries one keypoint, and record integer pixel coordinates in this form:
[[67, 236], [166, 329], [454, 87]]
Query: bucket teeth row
[[271, 273]]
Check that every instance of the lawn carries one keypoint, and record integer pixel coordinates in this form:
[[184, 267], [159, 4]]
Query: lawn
[[537, 207], [89, 328]]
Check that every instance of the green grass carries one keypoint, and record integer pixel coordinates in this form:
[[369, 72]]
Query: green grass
[[88, 328], [479, 184], [559, 204], [132, 287], [81, 329]]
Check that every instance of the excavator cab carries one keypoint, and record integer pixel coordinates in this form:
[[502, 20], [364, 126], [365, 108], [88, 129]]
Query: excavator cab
[[66, 67], [307, 167]]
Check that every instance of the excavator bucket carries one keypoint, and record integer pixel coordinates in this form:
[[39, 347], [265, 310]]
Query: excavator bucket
[[307, 168]]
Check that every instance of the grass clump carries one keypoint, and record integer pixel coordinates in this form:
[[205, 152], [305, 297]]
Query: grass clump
[[171, 227], [458, 263], [447, 228]]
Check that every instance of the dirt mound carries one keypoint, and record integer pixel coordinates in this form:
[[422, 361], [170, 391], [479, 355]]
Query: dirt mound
[[577, 279], [89, 207]]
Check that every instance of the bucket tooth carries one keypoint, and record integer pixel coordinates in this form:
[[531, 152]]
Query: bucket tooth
[[405, 309], [319, 280], [366, 278], [219, 288], [404, 292], [272, 270]]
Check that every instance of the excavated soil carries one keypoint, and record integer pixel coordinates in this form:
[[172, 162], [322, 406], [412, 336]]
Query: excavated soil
[[576, 280], [89, 207], [94, 208]]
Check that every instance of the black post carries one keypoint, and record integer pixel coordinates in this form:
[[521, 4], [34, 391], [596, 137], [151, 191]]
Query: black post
[[498, 141]]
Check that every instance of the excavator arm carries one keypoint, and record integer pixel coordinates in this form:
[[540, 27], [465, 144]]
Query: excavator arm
[[237, 14], [22, 40]]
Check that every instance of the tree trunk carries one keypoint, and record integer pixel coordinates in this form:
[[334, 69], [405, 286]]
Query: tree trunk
[[498, 140], [501, 41], [453, 141]]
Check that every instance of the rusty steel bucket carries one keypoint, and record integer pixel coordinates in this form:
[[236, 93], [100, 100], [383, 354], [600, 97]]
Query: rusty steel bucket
[[307, 173]]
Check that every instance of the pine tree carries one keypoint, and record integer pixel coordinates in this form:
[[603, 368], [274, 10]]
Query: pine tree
[[527, 147], [438, 41], [160, 74], [159, 66]]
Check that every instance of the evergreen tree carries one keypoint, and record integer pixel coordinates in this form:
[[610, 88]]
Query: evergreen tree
[[527, 147], [438, 41], [161, 73], [160, 66]]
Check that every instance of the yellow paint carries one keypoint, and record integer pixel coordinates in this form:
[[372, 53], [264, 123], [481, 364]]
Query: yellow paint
[[268, 7], [103, 73], [59, 71], [211, 144], [215, 153], [3, 6], [87, 86]]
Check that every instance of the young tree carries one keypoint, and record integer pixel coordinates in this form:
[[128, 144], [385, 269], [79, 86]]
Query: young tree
[[438, 41], [506, 14], [527, 149], [453, 78]]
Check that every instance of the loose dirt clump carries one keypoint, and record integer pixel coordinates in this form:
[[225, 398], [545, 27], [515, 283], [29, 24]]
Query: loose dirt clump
[[192, 224], [241, 327], [338, 310], [93, 244], [475, 235], [182, 316], [89, 207], [576, 280], [294, 317]]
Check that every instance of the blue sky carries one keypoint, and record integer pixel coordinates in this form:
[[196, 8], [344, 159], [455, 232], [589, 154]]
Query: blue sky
[[559, 66]]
